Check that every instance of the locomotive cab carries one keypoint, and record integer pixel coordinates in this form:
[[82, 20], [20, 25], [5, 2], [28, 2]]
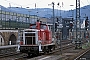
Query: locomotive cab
[[30, 43], [30, 37]]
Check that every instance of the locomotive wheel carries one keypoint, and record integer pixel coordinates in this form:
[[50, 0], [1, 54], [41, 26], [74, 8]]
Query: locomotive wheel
[[36, 53], [46, 50], [50, 48]]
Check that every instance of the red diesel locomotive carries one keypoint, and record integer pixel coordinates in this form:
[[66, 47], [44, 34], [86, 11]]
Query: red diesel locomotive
[[37, 39]]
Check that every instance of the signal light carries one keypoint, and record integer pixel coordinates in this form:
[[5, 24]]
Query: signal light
[[71, 25], [57, 19], [55, 27], [86, 23], [86, 28]]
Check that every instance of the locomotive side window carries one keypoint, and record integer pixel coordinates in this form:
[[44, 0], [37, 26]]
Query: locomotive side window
[[43, 26], [33, 27]]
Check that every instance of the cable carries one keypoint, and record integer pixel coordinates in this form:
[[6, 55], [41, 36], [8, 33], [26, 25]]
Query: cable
[[13, 3], [22, 5], [84, 4], [36, 2], [85, 7]]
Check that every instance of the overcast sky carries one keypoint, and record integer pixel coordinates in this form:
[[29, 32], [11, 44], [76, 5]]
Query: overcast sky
[[43, 3]]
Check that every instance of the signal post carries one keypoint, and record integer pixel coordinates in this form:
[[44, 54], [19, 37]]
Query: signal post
[[86, 29]]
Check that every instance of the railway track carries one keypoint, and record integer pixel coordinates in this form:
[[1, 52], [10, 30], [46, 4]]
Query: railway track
[[13, 56], [63, 44], [65, 47], [55, 52], [10, 52], [84, 55], [20, 56]]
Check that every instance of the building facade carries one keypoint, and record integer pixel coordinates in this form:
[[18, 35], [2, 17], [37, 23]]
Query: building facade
[[12, 20]]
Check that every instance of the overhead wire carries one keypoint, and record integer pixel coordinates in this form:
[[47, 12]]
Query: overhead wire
[[86, 7], [18, 4], [36, 2], [64, 10], [13, 3]]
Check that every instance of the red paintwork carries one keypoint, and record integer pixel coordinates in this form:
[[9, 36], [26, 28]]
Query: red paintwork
[[86, 36], [21, 42], [45, 34]]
